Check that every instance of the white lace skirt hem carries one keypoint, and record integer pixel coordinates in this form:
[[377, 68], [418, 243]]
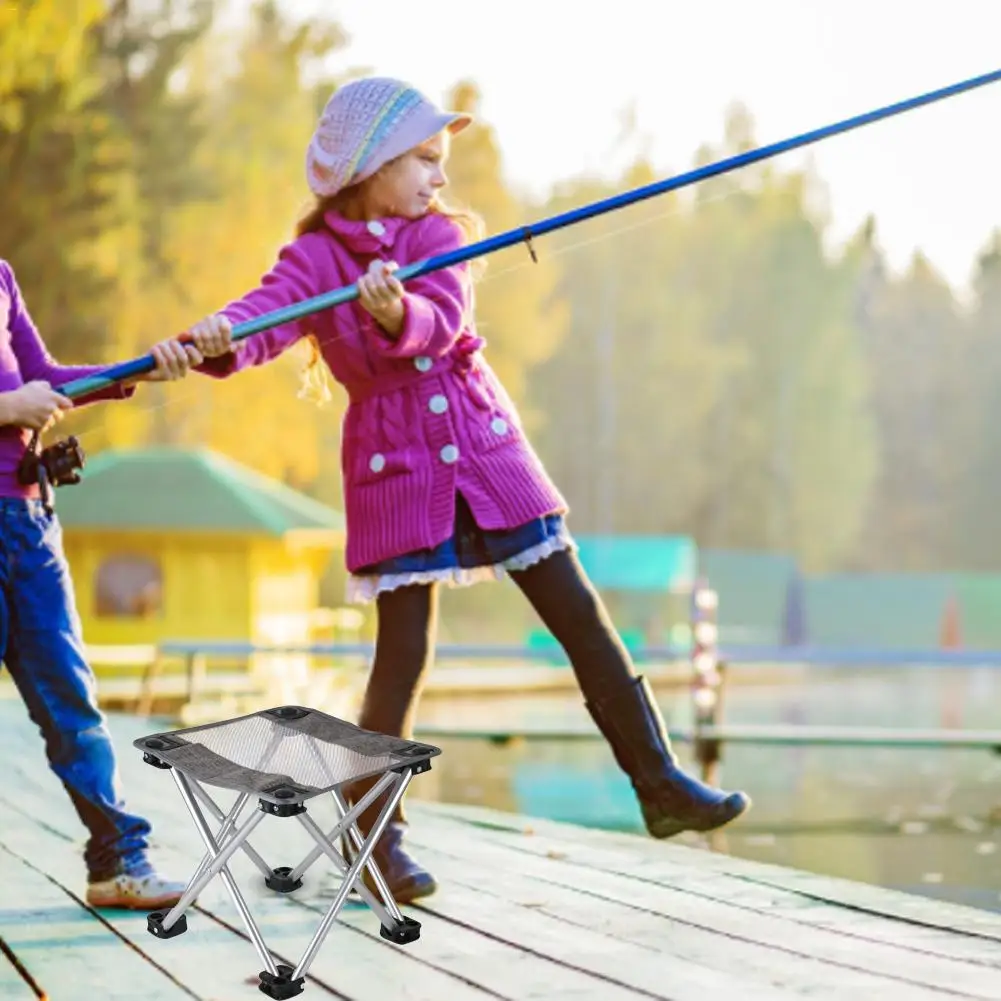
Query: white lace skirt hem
[[363, 589]]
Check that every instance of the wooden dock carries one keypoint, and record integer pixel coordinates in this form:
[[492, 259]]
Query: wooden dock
[[527, 909]]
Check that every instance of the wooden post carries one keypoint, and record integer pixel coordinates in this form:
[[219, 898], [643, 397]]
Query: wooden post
[[144, 704], [196, 668], [708, 675]]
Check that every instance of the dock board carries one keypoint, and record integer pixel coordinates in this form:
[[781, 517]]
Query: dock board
[[527, 909]]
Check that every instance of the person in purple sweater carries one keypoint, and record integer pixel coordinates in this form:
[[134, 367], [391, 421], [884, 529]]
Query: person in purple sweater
[[441, 485], [41, 643]]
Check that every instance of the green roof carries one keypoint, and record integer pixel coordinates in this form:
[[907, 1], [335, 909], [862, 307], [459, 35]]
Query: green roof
[[638, 562], [180, 489]]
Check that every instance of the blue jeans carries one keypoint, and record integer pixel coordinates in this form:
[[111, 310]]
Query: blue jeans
[[41, 644]]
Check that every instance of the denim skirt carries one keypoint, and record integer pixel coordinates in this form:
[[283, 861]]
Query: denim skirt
[[470, 555]]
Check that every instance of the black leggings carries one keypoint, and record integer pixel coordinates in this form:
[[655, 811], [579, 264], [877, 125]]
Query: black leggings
[[560, 593]]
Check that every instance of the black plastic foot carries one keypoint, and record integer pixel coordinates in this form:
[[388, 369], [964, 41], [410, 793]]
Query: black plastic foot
[[282, 986], [403, 932], [280, 880], [154, 925]]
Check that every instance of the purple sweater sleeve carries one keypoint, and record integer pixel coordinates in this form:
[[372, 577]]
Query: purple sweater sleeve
[[33, 359], [291, 280], [436, 305]]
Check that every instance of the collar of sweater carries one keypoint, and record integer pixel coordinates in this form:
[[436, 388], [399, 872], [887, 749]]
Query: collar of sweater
[[364, 237]]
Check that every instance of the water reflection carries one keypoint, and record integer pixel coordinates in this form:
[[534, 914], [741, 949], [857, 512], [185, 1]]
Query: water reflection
[[924, 821]]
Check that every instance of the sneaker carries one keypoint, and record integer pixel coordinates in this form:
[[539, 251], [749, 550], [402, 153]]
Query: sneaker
[[139, 889]]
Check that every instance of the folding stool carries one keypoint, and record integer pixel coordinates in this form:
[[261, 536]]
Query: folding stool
[[283, 757]]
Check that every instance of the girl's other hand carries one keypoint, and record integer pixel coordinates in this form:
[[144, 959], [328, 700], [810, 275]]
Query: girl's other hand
[[174, 358], [381, 295], [212, 336]]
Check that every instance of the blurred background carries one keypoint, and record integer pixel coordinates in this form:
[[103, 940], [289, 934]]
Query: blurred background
[[781, 388]]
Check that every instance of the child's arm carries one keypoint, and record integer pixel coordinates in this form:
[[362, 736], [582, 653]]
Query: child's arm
[[33, 358], [436, 307], [291, 280]]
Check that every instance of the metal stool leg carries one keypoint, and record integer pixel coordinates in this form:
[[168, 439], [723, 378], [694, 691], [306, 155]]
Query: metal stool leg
[[352, 876], [217, 866], [349, 815], [229, 822], [377, 877], [381, 910]]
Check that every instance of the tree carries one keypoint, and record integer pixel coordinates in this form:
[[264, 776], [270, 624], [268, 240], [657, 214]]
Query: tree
[[143, 52], [44, 45], [977, 525], [218, 250], [915, 355], [65, 178]]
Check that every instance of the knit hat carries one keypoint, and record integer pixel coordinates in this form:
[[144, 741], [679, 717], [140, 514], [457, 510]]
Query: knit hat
[[367, 123]]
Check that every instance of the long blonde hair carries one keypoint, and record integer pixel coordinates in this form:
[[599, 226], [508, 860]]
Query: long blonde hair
[[315, 386]]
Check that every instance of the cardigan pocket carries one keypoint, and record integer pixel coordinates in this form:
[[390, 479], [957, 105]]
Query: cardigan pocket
[[493, 429], [378, 443], [377, 463], [490, 424]]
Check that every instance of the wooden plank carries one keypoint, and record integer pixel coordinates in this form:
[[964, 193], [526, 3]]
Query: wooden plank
[[885, 921], [637, 849], [726, 912], [896, 916], [710, 930], [65, 947], [621, 945]]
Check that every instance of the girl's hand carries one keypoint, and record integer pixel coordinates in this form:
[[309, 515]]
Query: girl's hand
[[381, 295], [35, 405], [212, 336], [173, 359]]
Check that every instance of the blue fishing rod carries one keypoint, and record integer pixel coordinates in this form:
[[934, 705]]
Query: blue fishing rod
[[524, 234]]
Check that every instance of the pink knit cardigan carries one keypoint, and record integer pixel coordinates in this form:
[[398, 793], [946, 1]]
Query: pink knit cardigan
[[427, 417]]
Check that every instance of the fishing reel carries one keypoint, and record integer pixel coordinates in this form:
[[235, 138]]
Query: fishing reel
[[56, 465]]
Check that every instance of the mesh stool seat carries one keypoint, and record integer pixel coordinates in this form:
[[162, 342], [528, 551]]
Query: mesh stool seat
[[281, 758]]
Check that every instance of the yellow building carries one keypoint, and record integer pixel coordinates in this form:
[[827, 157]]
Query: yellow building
[[184, 544]]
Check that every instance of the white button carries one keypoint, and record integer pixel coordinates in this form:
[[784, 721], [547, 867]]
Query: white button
[[377, 463], [376, 228], [449, 454], [438, 404], [498, 425], [422, 363]]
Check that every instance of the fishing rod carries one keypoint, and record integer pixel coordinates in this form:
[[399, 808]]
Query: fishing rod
[[58, 464], [524, 234]]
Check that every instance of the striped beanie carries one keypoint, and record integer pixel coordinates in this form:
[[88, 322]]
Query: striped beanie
[[367, 123]]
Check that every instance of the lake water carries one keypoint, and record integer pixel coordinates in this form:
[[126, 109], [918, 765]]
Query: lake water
[[923, 821]]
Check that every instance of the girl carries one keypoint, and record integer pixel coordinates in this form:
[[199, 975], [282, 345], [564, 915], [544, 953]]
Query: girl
[[40, 640], [440, 483]]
